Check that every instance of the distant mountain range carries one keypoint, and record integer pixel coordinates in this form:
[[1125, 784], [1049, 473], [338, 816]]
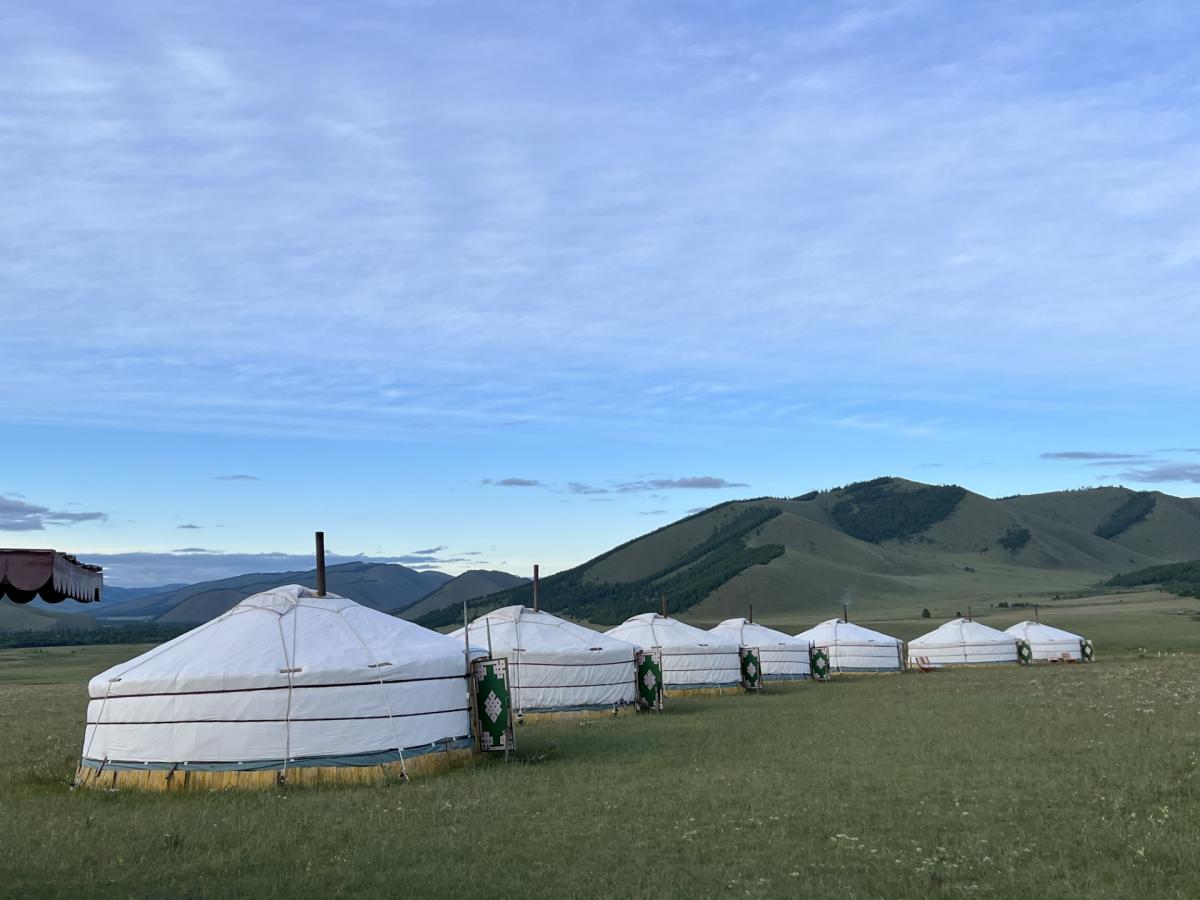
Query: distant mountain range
[[379, 586], [877, 545], [466, 587], [385, 587], [114, 595]]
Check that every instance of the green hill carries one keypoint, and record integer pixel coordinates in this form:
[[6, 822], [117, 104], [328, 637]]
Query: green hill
[[878, 545], [1177, 578], [469, 585], [379, 586], [26, 617]]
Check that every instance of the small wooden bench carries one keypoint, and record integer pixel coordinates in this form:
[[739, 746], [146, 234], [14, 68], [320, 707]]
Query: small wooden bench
[[923, 664]]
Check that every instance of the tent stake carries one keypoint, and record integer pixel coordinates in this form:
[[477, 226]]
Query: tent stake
[[320, 564]]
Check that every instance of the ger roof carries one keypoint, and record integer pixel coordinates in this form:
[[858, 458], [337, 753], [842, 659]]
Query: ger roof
[[520, 626], [833, 631], [753, 634], [1038, 631], [653, 630], [287, 635], [961, 631]]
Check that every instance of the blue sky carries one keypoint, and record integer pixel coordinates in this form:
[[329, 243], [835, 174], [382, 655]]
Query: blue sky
[[512, 283]]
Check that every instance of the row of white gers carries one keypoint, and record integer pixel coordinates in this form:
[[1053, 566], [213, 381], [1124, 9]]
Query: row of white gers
[[557, 664], [289, 676]]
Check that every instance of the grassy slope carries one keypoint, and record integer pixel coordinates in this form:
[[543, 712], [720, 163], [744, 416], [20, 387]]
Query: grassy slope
[[467, 586], [26, 617], [956, 562], [871, 786]]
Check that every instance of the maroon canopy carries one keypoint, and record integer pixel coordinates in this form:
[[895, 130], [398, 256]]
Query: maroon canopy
[[54, 577]]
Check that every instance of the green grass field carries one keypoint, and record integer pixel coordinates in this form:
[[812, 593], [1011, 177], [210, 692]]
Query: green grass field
[[991, 782]]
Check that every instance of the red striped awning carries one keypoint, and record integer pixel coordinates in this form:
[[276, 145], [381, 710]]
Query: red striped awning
[[25, 574]]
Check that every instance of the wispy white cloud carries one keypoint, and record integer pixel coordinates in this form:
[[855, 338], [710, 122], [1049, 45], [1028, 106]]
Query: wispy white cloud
[[1093, 455], [1164, 473]]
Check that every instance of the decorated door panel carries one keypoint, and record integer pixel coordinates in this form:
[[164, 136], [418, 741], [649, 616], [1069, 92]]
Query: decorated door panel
[[751, 668], [493, 705], [649, 679]]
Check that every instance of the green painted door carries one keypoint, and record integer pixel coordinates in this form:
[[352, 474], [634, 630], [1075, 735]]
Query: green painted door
[[493, 706], [649, 680], [751, 668]]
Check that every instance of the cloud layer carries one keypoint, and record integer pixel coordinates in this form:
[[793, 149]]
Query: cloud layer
[[1141, 468], [641, 486], [18, 515], [618, 214]]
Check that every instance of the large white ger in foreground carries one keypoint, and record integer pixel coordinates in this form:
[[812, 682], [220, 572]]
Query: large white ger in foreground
[[284, 681], [963, 642], [1048, 643], [691, 657], [781, 656], [852, 648], [555, 665]]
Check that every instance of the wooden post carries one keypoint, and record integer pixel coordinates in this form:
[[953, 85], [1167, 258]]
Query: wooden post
[[845, 613], [476, 737], [536, 606], [320, 564]]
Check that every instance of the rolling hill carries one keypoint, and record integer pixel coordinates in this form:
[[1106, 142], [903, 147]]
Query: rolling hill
[[469, 585], [379, 586], [27, 617], [113, 596], [878, 545]]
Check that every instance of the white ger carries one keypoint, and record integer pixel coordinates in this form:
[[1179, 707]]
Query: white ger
[[782, 656], [963, 642], [285, 679], [555, 665], [691, 657], [852, 648], [1047, 642]]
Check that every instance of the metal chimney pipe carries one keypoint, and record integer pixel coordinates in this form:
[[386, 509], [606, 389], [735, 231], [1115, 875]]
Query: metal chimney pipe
[[536, 605], [320, 564]]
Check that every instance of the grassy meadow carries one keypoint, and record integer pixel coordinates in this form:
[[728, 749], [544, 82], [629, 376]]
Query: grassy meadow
[[988, 782]]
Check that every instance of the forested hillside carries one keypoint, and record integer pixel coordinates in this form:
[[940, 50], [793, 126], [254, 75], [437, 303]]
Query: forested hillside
[[683, 582], [875, 545]]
